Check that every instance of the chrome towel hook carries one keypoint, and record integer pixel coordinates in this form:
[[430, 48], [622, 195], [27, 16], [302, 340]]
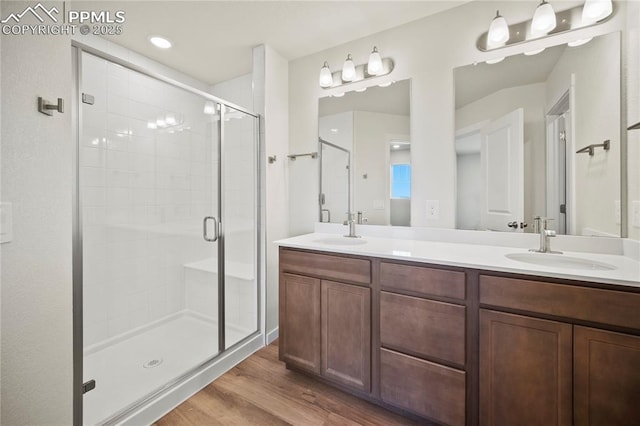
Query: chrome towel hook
[[47, 108]]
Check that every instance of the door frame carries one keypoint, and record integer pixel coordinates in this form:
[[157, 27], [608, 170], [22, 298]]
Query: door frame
[[563, 105]]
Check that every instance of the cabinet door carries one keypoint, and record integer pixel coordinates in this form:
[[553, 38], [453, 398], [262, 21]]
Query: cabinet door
[[606, 377], [346, 334], [525, 370], [300, 321]]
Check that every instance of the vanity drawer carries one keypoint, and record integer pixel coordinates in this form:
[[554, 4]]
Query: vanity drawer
[[582, 303], [422, 281], [326, 266], [423, 327], [425, 388]]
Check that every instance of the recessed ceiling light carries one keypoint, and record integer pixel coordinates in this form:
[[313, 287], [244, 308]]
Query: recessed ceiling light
[[396, 146], [160, 42]]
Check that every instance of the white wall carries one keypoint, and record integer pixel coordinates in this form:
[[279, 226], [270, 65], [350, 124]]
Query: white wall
[[596, 69], [238, 90], [37, 154], [531, 98], [426, 51], [271, 100], [468, 180]]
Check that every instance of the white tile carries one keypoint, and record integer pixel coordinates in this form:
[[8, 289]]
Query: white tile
[[92, 157], [118, 123]]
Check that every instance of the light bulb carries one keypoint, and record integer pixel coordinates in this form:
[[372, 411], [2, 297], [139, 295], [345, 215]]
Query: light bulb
[[348, 69], [326, 79], [544, 19], [374, 66], [160, 42], [596, 10], [498, 31], [396, 146]]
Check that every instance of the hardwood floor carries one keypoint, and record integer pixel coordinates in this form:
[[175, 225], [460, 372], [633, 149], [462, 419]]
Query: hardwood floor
[[261, 391]]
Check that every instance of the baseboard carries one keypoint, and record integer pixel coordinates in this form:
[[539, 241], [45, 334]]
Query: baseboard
[[272, 335]]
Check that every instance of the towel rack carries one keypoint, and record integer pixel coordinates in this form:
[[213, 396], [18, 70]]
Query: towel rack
[[309, 154], [591, 148]]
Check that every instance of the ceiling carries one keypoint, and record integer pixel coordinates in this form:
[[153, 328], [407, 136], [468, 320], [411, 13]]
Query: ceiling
[[212, 40], [393, 99], [474, 82]]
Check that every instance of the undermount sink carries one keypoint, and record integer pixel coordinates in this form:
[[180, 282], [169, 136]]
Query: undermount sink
[[559, 261], [341, 241]]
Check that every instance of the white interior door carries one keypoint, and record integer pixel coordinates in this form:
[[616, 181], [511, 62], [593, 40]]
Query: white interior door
[[502, 165]]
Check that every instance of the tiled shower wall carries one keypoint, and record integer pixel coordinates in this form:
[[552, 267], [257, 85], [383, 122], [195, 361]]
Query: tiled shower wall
[[144, 192]]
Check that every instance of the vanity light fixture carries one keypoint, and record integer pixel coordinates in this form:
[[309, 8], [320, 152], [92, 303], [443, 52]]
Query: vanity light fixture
[[498, 31], [351, 73], [374, 66], [544, 19], [545, 22], [596, 10], [348, 69], [326, 79], [160, 42]]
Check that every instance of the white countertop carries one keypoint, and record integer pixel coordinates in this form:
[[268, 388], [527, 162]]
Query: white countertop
[[487, 257]]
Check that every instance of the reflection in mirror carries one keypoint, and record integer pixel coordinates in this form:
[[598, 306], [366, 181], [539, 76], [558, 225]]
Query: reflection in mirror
[[335, 191], [374, 127], [519, 125]]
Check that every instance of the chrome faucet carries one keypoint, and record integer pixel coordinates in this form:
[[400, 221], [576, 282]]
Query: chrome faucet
[[351, 221], [540, 226]]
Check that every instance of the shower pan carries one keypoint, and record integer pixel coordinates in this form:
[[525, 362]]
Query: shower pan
[[166, 237]]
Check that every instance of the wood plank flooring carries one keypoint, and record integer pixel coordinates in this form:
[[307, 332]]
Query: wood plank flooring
[[261, 391]]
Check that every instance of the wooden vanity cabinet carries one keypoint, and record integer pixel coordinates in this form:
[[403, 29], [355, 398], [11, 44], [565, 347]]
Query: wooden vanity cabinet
[[525, 370], [606, 377], [325, 325], [461, 346], [558, 372]]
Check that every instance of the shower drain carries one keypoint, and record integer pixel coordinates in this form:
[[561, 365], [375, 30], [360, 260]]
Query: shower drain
[[152, 363]]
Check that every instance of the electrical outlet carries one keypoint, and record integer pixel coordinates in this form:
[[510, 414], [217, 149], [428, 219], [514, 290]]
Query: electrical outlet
[[433, 209], [635, 214], [617, 212]]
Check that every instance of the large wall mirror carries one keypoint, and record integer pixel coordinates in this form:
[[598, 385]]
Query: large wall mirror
[[540, 135], [371, 128]]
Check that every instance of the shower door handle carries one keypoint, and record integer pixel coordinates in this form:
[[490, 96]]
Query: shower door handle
[[205, 234]]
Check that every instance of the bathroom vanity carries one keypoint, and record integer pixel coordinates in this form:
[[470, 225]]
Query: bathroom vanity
[[421, 328]]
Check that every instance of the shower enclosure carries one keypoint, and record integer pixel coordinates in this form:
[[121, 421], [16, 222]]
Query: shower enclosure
[[166, 244]]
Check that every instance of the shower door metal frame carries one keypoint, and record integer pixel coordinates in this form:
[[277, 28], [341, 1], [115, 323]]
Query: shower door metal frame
[[78, 347]]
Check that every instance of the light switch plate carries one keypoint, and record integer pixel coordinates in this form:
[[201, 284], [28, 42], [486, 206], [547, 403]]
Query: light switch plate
[[378, 204], [433, 209], [635, 214], [6, 222]]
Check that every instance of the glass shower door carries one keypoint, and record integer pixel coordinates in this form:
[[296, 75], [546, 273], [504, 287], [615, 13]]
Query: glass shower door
[[148, 178], [240, 219]]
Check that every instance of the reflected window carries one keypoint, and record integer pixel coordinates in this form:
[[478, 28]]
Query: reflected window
[[401, 181]]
